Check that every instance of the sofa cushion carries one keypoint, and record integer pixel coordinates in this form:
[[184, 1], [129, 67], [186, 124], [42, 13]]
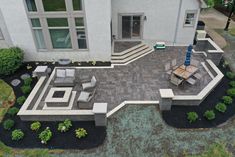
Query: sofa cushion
[[70, 72], [68, 80], [83, 97], [60, 73], [59, 80]]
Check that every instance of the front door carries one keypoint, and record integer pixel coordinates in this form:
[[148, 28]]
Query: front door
[[131, 27]]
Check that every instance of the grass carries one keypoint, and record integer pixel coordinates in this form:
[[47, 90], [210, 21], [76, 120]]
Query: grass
[[215, 150], [7, 98], [232, 31]]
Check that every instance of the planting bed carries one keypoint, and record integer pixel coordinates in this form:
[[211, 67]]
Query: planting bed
[[67, 140], [177, 117]]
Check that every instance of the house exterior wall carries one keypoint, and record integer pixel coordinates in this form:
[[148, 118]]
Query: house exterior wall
[[98, 32], [161, 19]]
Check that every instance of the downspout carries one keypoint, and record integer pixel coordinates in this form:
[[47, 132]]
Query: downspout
[[177, 22]]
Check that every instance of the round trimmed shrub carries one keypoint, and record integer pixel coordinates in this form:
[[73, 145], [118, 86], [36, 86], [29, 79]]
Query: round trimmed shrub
[[26, 89], [10, 60], [35, 126], [13, 111], [80, 133], [21, 100], [17, 135], [209, 115], [227, 100], [28, 81], [232, 84], [192, 117], [221, 107], [231, 92], [64, 126], [45, 135], [230, 75], [8, 124]]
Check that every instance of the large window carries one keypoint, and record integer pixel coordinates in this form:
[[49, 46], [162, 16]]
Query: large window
[[59, 32], [57, 24], [38, 35], [190, 18]]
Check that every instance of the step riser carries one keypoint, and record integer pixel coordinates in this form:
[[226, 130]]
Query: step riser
[[130, 53], [128, 50]]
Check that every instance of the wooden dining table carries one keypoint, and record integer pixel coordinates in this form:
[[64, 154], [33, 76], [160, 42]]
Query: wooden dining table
[[185, 72]]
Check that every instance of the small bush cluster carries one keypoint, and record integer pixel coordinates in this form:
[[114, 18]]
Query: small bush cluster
[[232, 84], [230, 75], [17, 135], [26, 89], [209, 115], [227, 100], [192, 116], [35, 126], [28, 81], [231, 92], [80, 133], [21, 100], [13, 111], [45, 135], [65, 126], [221, 107], [10, 60], [8, 124]]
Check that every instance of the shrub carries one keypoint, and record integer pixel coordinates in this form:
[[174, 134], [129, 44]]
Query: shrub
[[231, 92], [10, 60], [227, 100], [45, 135], [65, 126], [209, 114], [35, 126], [8, 124], [192, 116], [21, 100], [80, 133], [13, 111], [221, 107], [26, 89], [230, 75], [17, 135], [232, 84], [28, 81]]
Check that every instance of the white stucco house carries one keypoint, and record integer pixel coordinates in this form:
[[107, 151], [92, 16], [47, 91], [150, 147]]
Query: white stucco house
[[85, 30]]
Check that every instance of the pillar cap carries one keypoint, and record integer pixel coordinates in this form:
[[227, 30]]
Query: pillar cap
[[166, 93], [100, 108]]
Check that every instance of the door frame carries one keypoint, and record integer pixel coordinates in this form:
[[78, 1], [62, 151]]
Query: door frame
[[120, 25]]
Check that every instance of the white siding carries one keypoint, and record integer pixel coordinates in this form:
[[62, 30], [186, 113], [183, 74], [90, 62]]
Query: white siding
[[98, 21]]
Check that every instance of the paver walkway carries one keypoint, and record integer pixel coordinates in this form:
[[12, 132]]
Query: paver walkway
[[142, 79]]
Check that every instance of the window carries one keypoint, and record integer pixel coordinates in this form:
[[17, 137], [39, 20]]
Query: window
[[54, 5], [59, 32], [81, 33], [77, 5], [38, 35], [31, 5], [1, 35], [190, 18], [57, 24]]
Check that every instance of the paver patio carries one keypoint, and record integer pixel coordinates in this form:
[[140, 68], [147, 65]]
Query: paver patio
[[142, 79]]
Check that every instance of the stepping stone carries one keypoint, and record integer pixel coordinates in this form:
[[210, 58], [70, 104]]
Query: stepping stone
[[15, 82], [29, 67], [25, 76]]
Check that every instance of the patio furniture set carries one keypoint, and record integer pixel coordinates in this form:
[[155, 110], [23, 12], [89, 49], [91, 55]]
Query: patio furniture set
[[63, 93], [180, 74]]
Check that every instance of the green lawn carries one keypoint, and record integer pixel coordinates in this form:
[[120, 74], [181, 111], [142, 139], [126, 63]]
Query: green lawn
[[232, 31]]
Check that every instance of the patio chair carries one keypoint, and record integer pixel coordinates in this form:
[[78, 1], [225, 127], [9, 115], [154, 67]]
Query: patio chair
[[168, 68], [197, 76], [173, 64], [191, 81], [90, 84], [84, 99], [175, 80], [195, 62]]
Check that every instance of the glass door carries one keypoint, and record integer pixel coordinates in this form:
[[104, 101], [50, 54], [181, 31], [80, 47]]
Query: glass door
[[131, 27]]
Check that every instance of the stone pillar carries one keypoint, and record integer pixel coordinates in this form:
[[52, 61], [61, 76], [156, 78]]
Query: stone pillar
[[40, 71], [100, 111], [166, 99]]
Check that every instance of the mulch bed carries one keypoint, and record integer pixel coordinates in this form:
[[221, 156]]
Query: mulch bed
[[177, 117], [224, 11], [95, 137]]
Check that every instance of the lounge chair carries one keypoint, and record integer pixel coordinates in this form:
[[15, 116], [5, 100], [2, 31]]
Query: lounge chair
[[90, 84], [84, 99]]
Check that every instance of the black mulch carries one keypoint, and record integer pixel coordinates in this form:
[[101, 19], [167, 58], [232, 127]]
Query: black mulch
[[95, 137], [177, 117]]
